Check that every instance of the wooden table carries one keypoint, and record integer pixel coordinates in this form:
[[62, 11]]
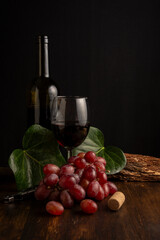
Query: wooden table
[[139, 217]]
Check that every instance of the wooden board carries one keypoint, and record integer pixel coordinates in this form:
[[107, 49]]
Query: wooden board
[[140, 168]]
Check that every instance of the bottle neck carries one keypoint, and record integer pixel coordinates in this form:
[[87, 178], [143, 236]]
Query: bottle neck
[[43, 64]]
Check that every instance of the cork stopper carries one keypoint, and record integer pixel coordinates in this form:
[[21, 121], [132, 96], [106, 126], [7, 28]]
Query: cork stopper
[[116, 201]]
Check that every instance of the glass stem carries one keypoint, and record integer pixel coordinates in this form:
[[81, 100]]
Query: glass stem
[[69, 153]]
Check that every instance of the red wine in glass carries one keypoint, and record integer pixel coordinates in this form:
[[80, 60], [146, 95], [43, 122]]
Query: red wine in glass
[[70, 121], [70, 135]]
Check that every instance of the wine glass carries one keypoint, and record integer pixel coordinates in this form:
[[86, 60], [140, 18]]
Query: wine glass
[[70, 121]]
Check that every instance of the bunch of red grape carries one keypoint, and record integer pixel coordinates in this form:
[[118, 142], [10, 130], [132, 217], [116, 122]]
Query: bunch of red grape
[[82, 179]]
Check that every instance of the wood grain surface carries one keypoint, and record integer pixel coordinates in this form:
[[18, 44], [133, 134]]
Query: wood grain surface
[[138, 218], [140, 168]]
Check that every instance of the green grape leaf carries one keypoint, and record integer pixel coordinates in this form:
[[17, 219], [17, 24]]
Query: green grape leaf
[[39, 148], [114, 156]]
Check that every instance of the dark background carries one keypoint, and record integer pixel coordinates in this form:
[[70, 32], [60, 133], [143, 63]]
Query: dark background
[[106, 50]]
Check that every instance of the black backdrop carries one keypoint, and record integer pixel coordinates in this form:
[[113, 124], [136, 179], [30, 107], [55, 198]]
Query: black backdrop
[[106, 50]]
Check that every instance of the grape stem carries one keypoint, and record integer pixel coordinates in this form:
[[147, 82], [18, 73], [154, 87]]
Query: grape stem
[[99, 150]]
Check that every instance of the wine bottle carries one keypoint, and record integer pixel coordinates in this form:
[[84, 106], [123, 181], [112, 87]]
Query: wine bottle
[[43, 89]]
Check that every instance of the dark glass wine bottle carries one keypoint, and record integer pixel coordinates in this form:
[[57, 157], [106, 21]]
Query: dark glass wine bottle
[[43, 89]]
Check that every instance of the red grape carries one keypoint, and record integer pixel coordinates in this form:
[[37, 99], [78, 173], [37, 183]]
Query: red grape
[[55, 195], [105, 189], [83, 175], [80, 163], [88, 206], [54, 208], [102, 160], [41, 182], [79, 172], [100, 194], [89, 173], [112, 188], [84, 183], [67, 181], [51, 180], [76, 176], [91, 165], [90, 157], [66, 169], [42, 192], [93, 189], [66, 199], [81, 154], [77, 192], [102, 177], [99, 166], [72, 159], [50, 168]]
